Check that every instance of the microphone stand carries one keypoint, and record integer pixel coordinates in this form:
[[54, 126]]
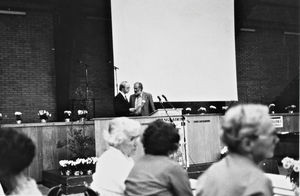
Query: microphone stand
[[170, 104], [162, 105]]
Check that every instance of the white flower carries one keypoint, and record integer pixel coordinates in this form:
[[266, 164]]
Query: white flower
[[202, 109], [143, 101], [212, 107], [67, 112], [188, 109], [293, 106], [0, 115], [225, 107], [296, 167], [18, 113], [44, 112], [272, 105], [287, 162], [63, 163], [95, 160], [81, 112], [224, 150]]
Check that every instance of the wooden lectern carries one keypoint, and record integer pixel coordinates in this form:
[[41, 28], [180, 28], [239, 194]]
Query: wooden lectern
[[171, 112]]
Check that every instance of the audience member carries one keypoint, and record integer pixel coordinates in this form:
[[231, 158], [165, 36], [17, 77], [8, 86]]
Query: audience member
[[17, 152], [141, 101], [155, 173], [250, 137], [114, 164]]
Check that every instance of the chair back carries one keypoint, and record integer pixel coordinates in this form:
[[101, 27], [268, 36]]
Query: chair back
[[90, 192], [55, 191]]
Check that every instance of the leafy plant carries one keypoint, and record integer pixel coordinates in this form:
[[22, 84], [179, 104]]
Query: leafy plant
[[79, 144]]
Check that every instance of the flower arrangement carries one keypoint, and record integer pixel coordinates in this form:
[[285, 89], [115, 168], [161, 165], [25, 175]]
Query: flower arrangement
[[188, 110], [225, 107], [80, 166], [202, 110], [290, 108], [67, 115], [82, 114], [223, 152], [213, 108], [44, 115], [18, 117], [293, 167], [271, 108]]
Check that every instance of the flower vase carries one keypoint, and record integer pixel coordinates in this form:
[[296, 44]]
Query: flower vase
[[67, 120], [43, 120], [19, 121], [82, 119], [89, 172], [68, 172]]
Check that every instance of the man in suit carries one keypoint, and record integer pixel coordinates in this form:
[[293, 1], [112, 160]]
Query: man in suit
[[121, 104], [141, 101]]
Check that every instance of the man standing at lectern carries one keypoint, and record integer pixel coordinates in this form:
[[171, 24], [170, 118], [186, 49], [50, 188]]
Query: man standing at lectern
[[141, 101], [121, 104]]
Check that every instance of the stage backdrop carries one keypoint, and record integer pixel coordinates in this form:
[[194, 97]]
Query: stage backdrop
[[184, 49]]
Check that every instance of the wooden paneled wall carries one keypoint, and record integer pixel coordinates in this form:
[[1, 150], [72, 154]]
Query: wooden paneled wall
[[46, 136]]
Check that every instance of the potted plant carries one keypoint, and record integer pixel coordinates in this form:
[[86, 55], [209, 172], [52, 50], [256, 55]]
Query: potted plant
[[44, 115], [292, 166], [272, 108], [290, 108], [67, 115], [18, 117], [82, 114], [202, 110]]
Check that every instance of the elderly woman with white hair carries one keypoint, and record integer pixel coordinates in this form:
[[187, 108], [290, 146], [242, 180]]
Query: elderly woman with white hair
[[250, 137], [115, 163]]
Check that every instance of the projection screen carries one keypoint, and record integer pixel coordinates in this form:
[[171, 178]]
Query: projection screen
[[184, 49]]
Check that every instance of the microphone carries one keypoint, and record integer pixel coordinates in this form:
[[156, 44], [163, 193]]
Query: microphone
[[165, 98], [159, 99]]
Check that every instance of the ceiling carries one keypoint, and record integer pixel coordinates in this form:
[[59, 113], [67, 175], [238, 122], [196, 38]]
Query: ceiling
[[248, 13]]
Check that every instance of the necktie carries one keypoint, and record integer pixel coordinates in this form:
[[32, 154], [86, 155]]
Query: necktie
[[126, 98]]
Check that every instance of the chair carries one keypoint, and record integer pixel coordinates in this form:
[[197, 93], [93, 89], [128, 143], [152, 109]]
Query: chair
[[269, 166], [90, 192], [55, 191]]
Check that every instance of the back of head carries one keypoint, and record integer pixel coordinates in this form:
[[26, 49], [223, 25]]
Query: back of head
[[120, 129], [160, 138], [16, 151], [246, 120]]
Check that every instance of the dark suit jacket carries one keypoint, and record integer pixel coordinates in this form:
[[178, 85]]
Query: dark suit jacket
[[121, 106], [148, 106]]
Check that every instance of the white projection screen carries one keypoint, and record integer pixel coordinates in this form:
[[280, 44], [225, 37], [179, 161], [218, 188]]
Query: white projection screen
[[184, 49]]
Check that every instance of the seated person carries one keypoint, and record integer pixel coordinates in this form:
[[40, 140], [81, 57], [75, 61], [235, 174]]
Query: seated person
[[155, 173], [17, 152], [250, 137], [114, 164]]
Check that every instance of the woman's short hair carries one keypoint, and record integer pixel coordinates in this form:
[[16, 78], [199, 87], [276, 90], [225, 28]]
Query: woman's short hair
[[245, 120], [16, 151], [160, 138], [121, 129]]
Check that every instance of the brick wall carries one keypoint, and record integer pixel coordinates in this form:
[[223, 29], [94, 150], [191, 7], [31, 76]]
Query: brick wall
[[93, 48], [267, 61], [27, 75]]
